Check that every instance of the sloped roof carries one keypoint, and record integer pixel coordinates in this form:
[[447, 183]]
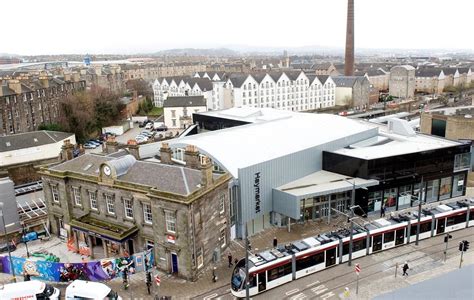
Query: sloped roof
[[184, 101], [166, 178], [345, 81], [428, 72], [31, 139], [322, 78]]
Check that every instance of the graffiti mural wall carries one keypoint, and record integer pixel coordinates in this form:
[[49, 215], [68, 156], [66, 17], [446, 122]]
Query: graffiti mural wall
[[100, 270]]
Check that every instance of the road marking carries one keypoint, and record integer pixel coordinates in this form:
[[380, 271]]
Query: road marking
[[210, 296], [228, 290], [311, 284], [317, 288], [292, 292], [327, 295], [320, 291], [298, 297]]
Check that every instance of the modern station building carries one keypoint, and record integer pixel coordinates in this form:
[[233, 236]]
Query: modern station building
[[291, 167]]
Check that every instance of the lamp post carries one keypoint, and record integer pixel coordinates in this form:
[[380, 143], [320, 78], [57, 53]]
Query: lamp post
[[6, 239], [247, 283]]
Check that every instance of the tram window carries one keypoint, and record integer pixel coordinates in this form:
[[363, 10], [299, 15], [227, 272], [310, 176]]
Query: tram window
[[253, 280], [279, 271], [471, 215], [456, 220], [388, 237], [356, 246], [424, 227], [309, 261]]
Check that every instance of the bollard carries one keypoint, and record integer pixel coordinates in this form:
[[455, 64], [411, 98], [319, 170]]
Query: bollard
[[396, 270]]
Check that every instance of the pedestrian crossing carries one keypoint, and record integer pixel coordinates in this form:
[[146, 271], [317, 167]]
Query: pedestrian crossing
[[316, 290]]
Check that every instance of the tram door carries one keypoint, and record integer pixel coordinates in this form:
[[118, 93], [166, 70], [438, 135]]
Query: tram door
[[330, 257], [377, 243], [399, 236], [441, 225], [262, 281]]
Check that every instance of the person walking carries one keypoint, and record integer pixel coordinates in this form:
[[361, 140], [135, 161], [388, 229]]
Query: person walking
[[405, 269], [229, 257], [382, 211], [275, 242]]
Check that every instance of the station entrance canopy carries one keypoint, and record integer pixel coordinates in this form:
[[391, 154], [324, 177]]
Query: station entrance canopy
[[287, 198]]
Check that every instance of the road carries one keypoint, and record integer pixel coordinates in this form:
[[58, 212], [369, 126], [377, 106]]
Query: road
[[377, 275]]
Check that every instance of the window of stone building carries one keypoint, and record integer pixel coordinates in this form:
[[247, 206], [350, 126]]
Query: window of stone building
[[222, 203], [200, 257], [223, 238], [76, 194], [109, 201], [93, 200], [149, 244], [55, 193], [128, 206], [170, 218], [147, 215]]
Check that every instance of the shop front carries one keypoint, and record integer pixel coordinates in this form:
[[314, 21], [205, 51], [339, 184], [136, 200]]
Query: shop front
[[89, 233]]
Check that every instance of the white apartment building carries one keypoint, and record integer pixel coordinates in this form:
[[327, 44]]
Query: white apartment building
[[182, 86], [289, 90], [295, 91]]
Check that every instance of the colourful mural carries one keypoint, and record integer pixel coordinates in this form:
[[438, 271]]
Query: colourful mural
[[100, 270]]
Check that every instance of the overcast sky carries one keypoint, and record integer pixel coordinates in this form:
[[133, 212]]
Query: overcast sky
[[138, 26]]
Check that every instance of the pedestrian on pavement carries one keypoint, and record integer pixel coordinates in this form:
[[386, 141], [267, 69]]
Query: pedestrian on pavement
[[275, 242], [26, 277], [229, 257], [382, 211], [405, 269]]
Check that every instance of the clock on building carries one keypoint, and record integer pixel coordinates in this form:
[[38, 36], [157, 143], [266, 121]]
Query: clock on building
[[107, 170]]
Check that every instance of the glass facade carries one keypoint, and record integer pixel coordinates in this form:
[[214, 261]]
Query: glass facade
[[443, 172], [318, 208]]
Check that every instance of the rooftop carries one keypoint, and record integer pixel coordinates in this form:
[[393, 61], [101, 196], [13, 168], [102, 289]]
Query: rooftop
[[389, 143], [31, 139], [246, 145], [168, 178], [184, 101]]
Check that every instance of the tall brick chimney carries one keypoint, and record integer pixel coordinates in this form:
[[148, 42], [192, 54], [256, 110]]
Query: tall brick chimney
[[133, 148], [349, 59], [191, 157], [166, 154]]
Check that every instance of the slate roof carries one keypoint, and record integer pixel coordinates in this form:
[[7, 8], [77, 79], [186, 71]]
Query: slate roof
[[166, 178], [31, 139], [427, 72], [185, 101], [322, 78], [238, 79], [449, 71], [322, 66], [463, 70], [204, 84], [345, 81]]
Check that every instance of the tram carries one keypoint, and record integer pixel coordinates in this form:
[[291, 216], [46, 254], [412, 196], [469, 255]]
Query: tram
[[285, 263]]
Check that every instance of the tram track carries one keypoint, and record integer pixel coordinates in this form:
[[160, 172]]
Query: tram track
[[351, 273]]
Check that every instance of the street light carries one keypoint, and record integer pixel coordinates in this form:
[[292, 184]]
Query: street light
[[6, 239], [420, 199], [25, 240]]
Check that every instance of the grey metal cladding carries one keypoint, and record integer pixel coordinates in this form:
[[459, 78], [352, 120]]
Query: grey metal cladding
[[281, 170]]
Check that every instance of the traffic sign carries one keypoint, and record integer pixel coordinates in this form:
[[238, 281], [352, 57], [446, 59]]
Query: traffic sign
[[357, 269], [157, 280]]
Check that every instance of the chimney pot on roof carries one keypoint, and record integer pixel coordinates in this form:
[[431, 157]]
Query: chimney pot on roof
[[206, 172], [166, 154], [191, 157]]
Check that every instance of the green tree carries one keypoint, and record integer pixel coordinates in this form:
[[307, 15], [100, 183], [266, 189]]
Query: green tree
[[51, 127]]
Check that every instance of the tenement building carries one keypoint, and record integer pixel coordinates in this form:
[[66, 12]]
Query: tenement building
[[116, 203], [289, 167], [27, 102]]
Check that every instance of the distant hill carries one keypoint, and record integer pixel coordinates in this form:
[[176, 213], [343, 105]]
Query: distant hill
[[197, 52]]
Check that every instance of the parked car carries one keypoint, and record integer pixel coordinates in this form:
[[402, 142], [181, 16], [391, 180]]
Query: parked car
[[90, 146], [80, 289], [33, 289], [162, 128], [4, 247], [97, 141], [149, 126], [141, 124], [146, 133], [93, 142]]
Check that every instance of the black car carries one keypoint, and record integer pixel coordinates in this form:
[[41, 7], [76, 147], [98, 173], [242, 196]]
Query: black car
[[141, 124], [162, 128], [4, 247]]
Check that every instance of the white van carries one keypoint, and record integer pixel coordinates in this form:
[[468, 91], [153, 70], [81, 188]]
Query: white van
[[80, 289], [29, 290]]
